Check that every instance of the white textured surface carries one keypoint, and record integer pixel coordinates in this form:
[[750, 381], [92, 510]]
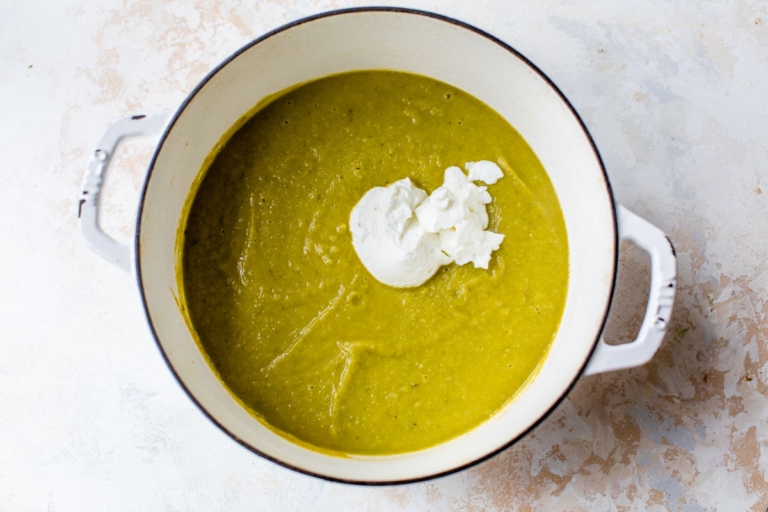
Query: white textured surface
[[676, 97]]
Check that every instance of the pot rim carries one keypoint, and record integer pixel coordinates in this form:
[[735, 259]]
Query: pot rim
[[308, 19]]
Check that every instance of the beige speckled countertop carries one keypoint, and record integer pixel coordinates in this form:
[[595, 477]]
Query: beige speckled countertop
[[675, 95]]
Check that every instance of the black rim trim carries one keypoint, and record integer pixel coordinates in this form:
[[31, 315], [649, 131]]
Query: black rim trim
[[302, 21]]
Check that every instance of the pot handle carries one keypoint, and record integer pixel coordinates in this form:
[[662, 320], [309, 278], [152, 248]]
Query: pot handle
[[662, 296], [88, 206]]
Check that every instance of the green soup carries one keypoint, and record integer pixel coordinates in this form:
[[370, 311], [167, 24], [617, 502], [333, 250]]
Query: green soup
[[294, 324]]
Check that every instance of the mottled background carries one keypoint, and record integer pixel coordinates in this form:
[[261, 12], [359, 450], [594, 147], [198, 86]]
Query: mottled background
[[676, 97]]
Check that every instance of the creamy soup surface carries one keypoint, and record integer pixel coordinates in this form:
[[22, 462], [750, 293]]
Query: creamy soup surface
[[294, 324]]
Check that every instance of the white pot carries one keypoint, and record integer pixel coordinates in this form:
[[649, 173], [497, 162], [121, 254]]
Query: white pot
[[446, 50]]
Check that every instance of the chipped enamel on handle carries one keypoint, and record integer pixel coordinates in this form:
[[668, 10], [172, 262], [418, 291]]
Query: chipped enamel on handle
[[659, 309], [88, 207]]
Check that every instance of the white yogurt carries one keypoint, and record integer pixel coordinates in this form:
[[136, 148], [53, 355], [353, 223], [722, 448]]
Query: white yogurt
[[403, 237]]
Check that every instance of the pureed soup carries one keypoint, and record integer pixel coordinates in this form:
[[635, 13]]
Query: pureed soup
[[293, 323]]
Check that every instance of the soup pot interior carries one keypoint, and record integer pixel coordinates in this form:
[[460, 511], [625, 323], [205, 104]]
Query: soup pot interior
[[411, 42]]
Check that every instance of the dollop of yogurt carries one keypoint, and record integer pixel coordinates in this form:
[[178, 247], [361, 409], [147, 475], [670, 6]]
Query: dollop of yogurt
[[403, 236]]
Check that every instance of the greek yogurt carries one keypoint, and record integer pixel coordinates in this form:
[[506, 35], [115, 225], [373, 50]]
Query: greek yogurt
[[403, 236]]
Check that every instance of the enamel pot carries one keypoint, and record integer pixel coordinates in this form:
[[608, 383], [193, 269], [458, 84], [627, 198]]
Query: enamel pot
[[426, 44]]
